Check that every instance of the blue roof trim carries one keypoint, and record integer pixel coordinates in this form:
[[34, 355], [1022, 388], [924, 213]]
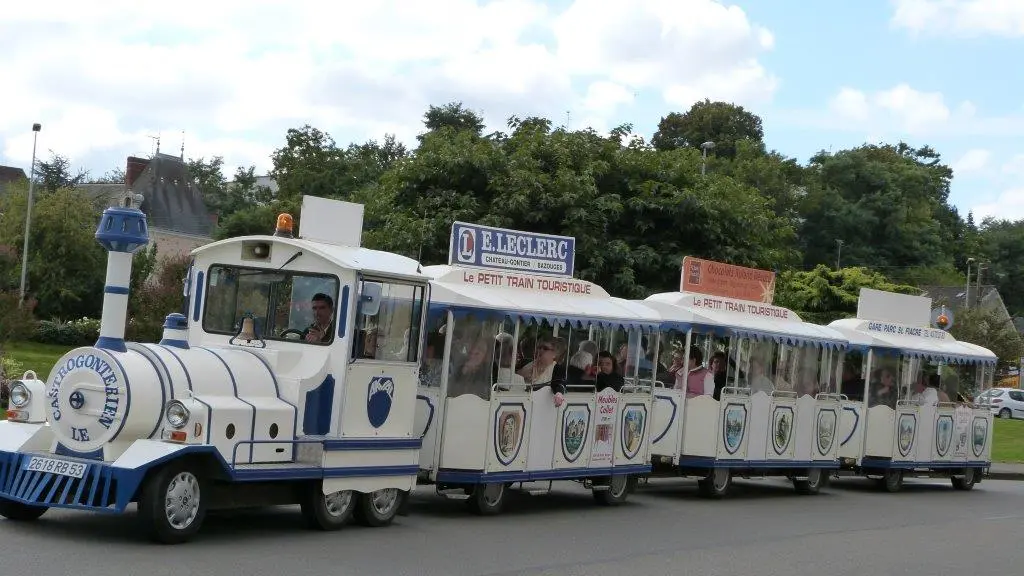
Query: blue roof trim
[[574, 320], [788, 339], [925, 354]]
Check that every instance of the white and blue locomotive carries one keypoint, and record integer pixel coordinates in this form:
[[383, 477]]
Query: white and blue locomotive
[[237, 404]]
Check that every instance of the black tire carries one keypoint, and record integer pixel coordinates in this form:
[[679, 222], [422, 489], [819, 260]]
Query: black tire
[[18, 512], [328, 512], [378, 508], [816, 480], [181, 482], [967, 482], [1005, 413], [717, 483], [619, 487], [487, 499], [892, 480]]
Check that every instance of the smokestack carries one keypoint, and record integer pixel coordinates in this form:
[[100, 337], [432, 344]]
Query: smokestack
[[122, 231]]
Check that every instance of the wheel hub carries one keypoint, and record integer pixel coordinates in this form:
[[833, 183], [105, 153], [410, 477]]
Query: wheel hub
[[383, 500], [181, 504], [338, 502]]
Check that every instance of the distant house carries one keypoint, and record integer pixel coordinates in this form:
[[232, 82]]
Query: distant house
[[171, 199], [9, 175], [987, 296]]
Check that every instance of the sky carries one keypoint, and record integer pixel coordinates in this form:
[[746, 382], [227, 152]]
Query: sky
[[228, 78]]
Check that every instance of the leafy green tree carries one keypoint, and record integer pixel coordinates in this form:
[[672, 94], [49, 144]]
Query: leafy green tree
[[988, 328], [56, 173], [822, 295], [1000, 245], [723, 123], [67, 266]]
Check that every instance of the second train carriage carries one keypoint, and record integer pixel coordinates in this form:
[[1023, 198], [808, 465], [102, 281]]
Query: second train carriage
[[529, 374], [909, 391], [750, 389]]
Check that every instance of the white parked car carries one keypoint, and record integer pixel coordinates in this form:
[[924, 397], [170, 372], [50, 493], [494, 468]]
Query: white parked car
[[1005, 402]]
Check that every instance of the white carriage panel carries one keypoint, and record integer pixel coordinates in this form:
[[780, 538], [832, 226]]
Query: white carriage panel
[[667, 427], [962, 418], [208, 374], [735, 419], [465, 436], [427, 425], [380, 400], [606, 420], [942, 434], [824, 426], [879, 431], [507, 445], [907, 433], [757, 436], [575, 435], [274, 430], [229, 427], [701, 417], [925, 435], [981, 437], [19, 437], [852, 423], [540, 443], [632, 438], [352, 460], [368, 484], [788, 419]]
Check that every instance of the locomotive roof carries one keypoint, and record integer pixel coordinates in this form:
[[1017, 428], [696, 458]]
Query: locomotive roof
[[350, 257]]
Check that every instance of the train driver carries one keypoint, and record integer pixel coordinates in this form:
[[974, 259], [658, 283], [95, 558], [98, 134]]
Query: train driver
[[321, 331]]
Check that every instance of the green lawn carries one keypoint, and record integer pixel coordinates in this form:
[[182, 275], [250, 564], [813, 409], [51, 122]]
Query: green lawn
[[1008, 441], [37, 357]]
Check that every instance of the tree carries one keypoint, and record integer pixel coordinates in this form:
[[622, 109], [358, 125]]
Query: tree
[[56, 174], [452, 115], [1000, 244], [66, 265], [822, 295], [986, 327], [723, 123]]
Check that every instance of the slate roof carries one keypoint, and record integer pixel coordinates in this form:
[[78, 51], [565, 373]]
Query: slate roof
[[171, 199]]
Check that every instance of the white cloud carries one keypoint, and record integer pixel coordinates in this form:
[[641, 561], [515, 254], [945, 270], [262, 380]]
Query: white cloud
[[972, 161], [960, 17], [103, 78], [911, 110], [1009, 205]]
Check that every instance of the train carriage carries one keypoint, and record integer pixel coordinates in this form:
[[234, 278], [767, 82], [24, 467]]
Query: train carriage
[[769, 407], [908, 395], [514, 391], [290, 378]]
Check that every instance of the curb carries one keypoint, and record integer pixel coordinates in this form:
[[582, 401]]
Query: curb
[[996, 475]]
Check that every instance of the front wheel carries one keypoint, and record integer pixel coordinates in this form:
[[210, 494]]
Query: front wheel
[[616, 492], [172, 507], [328, 511], [378, 508], [18, 512]]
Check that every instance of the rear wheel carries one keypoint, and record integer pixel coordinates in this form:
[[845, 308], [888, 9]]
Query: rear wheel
[[616, 492], [172, 507], [487, 499], [813, 484], [717, 483], [328, 511], [892, 480], [378, 508], [967, 482], [19, 512]]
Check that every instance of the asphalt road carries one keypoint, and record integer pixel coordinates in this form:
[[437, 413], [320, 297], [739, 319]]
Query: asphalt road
[[763, 529]]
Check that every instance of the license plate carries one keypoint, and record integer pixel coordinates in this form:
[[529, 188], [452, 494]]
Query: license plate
[[55, 466]]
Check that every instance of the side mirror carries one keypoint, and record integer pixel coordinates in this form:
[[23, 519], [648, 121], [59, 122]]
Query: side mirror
[[369, 300]]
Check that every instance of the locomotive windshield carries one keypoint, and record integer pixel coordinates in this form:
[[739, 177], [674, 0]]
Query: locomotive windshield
[[297, 306]]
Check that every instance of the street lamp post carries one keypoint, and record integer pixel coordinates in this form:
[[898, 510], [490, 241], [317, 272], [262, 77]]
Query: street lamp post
[[839, 252], [967, 291], [704, 155], [28, 208]]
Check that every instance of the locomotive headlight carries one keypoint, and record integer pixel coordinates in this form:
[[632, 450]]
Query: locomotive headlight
[[20, 395], [176, 414]]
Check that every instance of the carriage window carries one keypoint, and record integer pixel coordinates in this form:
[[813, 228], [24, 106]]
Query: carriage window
[[283, 305], [388, 321], [432, 359], [884, 382], [480, 354], [852, 379]]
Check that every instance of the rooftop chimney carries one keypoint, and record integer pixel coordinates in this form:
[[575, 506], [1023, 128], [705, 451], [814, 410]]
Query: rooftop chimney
[[134, 169]]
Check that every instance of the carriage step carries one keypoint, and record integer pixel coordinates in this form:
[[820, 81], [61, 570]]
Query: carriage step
[[454, 494]]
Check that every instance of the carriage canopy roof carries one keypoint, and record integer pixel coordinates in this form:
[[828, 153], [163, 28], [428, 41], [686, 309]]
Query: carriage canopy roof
[[913, 341]]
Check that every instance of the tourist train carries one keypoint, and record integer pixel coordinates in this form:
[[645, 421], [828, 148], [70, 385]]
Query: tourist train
[[307, 369]]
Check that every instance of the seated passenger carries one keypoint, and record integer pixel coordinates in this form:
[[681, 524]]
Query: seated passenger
[[608, 375], [581, 368], [473, 375], [543, 369], [926, 395], [698, 379], [719, 366], [759, 380], [502, 371], [883, 390], [433, 358]]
